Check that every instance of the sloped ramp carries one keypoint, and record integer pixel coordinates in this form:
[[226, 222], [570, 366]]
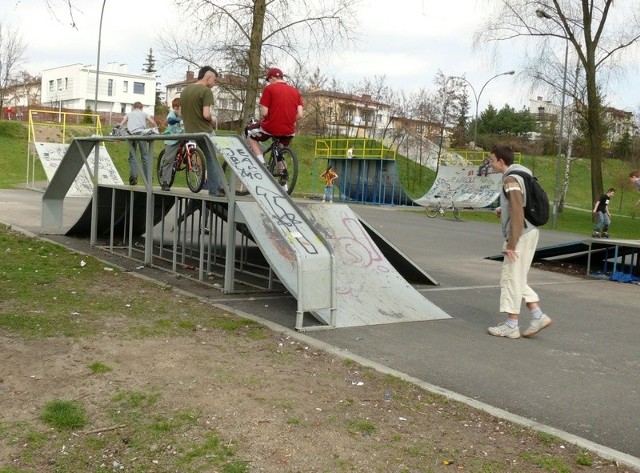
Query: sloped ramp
[[369, 289], [463, 186], [123, 198]]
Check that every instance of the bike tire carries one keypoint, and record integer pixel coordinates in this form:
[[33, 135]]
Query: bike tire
[[456, 213], [159, 169], [432, 211], [195, 170], [291, 165]]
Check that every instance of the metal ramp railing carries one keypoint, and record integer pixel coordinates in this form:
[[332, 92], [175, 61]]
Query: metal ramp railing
[[312, 261]]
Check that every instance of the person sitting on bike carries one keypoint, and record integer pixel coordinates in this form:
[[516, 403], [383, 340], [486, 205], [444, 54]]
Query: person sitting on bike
[[281, 107], [174, 126]]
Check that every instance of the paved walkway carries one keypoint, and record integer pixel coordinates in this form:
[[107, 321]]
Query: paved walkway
[[579, 379]]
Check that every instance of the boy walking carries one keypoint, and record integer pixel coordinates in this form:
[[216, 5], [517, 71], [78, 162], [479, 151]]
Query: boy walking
[[520, 240], [602, 215]]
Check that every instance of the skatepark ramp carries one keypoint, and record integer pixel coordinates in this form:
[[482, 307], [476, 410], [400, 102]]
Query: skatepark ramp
[[321, 254]]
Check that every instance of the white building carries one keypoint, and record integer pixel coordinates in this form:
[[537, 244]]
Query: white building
[[228, 95], [619, 121], [73, 87]]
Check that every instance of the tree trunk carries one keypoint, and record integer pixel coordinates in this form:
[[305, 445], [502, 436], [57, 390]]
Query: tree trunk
[[253, 62], [594, 122]]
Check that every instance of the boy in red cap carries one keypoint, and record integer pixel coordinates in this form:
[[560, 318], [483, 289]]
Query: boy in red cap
[[281, 107]]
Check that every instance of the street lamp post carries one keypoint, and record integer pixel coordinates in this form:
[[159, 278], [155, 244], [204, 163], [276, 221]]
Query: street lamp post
[[556, 193], [59, 105], [95, 101], [477, 98], [96, 158]]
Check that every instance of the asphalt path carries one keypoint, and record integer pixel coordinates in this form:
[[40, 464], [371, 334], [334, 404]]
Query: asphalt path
[[581, 375]]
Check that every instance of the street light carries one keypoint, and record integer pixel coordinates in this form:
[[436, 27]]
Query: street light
[[96, 157], [556, 197], [59, 105], [477, 97], [95, 102]]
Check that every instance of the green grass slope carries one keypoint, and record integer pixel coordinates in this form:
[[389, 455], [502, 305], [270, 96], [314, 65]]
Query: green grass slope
[[416, 179]]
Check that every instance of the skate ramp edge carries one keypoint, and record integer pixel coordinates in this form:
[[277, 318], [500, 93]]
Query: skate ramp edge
[[369, 289]]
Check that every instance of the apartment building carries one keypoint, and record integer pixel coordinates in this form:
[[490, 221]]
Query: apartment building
[[73, 87], [228, 96], [329, 113]]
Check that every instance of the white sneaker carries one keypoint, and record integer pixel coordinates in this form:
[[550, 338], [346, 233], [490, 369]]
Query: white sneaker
[[537, 325], [503, 330]]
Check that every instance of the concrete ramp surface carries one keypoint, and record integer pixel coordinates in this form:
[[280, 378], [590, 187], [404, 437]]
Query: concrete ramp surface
[[464, 187], [369, 289]]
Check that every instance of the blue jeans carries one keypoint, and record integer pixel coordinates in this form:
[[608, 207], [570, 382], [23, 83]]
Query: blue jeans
[[328, 193], [602, 222], [133, 164], [214, 181]]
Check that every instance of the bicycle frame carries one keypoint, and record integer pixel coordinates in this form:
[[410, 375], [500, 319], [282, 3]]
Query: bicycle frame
[[183, 156]]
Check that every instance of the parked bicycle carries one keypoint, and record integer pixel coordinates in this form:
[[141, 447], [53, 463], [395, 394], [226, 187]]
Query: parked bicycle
[[191, 159], [433, 210]]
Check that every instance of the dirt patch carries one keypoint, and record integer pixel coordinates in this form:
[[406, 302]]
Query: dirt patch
[[280, 405], [186, 387], [570, 269]]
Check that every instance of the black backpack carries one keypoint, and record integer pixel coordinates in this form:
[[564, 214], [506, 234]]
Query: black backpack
[[536, 210]]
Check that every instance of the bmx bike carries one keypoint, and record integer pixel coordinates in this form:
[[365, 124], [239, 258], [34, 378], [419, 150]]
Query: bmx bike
[[189, 158]]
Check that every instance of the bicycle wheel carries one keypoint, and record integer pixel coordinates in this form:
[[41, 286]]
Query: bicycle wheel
[[456, 213], [290, 174], [159, 169], [195, 170], [432, 211]]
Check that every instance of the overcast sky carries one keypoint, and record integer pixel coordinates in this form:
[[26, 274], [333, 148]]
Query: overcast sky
[[407, 41]]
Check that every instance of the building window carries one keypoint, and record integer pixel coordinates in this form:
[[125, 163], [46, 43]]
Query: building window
[[125, 86], [110, 87], [50, 86], [138, 88], [59, 84]]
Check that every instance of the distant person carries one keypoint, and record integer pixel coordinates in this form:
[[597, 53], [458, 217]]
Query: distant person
[[136, 122], [602, 215], [350, 152], [329, 176], [521, 239], [171, 147], [483, 170], [281, 107], [196, 101], [634, 177], [9, 113]]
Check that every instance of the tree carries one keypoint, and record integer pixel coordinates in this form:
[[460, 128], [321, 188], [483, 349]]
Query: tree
[[584, 25], [460, 136], [450, 103], [246, 36], [12, 55], [150, 64], [150, 68], [622, 149]]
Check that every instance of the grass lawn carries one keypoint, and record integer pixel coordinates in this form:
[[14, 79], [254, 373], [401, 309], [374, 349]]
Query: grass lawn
[[416, 180]]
